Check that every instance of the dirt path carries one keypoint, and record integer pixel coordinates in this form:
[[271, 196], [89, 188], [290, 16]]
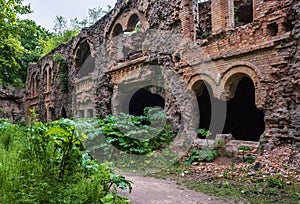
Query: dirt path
[[147, 190]]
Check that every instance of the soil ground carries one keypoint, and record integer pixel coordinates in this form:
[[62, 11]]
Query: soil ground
[[147, 190]]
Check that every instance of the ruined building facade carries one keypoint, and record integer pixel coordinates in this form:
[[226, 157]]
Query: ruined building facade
[[231, 66]]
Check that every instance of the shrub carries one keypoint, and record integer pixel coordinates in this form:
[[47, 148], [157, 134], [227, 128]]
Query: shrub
[[137, 134], [47, 163], [206, 155]]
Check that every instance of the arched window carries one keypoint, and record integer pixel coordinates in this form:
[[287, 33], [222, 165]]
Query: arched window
[[242, 118], [118, 29], [33, 85], [47, 75], [211, 110], [133, 23], [85, 62]]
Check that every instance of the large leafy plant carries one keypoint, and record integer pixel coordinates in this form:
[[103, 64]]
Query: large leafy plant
[[47, 163], [138, 134]]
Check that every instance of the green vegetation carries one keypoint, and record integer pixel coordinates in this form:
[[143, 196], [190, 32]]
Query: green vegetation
[[133, 143], [23, 41], [248, 192], [54, 163], [206, 154], [248, 158], [47, 163], [139, 136], [238, 183], [233, 187], [244, 149], [66, 29], [63, 72]]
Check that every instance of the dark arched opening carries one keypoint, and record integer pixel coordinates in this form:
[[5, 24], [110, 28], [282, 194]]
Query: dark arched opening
[[244, 121], [204, 105], [63, 113], [142, 99], [133, 22], [118, 29], [84, 60], [211, 110]]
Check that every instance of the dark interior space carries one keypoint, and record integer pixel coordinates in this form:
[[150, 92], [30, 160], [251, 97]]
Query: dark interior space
[[133, 21], [243, 12], [244, 121], [288, 25], [142, 99], [212, 111], [117, 30], [204, 105], [84, 60], [204, 27], [272, 29], [63, 113]]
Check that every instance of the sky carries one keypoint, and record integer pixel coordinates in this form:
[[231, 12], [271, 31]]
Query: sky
[[45, 11]]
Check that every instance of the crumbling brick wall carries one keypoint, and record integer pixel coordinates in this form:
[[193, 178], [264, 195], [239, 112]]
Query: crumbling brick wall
[[168, 47], [12, 103], [204, 22]]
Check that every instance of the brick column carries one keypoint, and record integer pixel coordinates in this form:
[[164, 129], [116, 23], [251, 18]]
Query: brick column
[[188, 18], [222, 12]]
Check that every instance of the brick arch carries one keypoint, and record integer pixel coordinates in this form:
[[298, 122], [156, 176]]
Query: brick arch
[[131, 20], [82, 40], [47, 76], [244, 67], [126, 21], [83, 52], [33, 84], [117, 30], [205, 77], [84, 97], [232, 76], [211, 112], [49, 112], [82, 45]]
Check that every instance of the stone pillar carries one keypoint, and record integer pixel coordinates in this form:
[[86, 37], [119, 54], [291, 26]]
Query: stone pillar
[[222, 12]]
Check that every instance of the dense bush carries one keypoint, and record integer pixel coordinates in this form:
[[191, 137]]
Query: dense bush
[[138, 134], [47, 163], [132, 143]]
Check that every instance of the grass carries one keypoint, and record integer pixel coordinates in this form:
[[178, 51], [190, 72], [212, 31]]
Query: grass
[[251, 193], [273, 190]]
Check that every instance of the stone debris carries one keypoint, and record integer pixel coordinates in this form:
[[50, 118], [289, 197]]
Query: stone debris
[[280, 161]]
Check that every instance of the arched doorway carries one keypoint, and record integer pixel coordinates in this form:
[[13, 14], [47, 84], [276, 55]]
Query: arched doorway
[[244, 120], [212, 111]]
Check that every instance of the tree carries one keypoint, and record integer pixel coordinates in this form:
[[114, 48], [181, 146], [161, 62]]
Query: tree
[[66, 29], [20, 42], [60, 24], [11, 49]]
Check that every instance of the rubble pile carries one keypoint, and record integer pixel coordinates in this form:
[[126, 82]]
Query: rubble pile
[[282, 162]]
